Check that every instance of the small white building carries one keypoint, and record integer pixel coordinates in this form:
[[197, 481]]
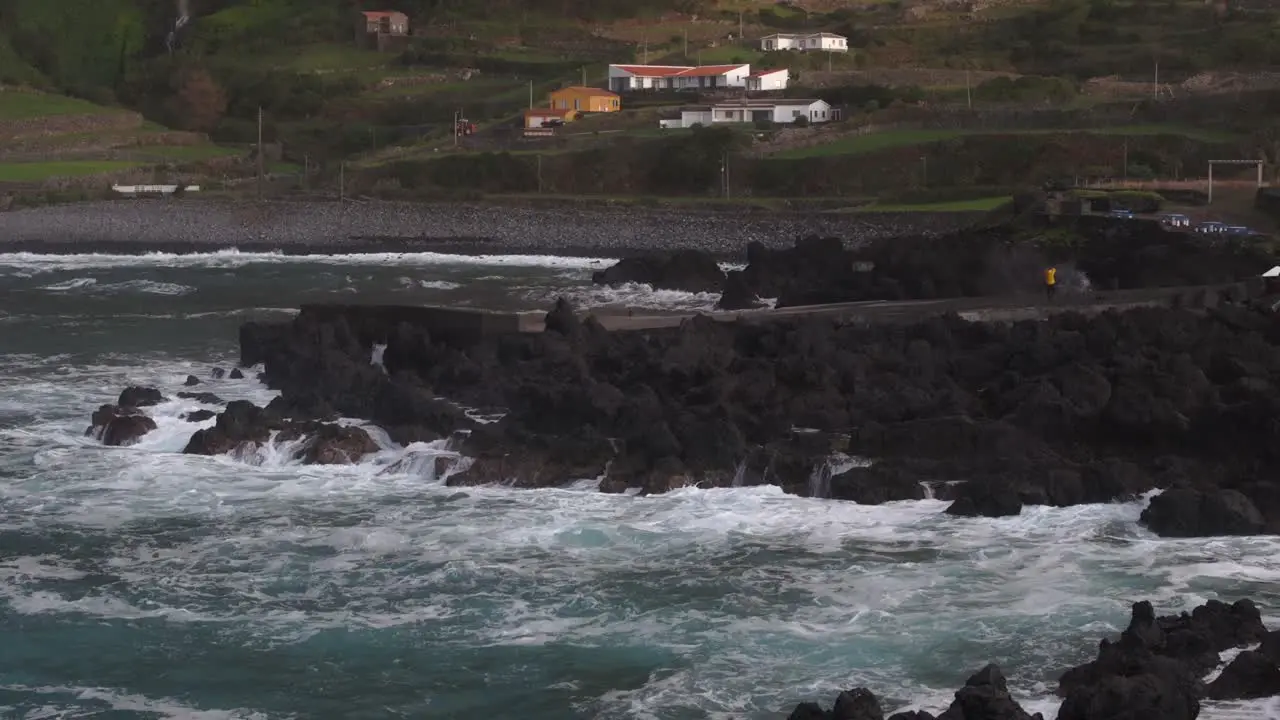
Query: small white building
[[623, 78], [762, 80], [783, 112], [823, 41]]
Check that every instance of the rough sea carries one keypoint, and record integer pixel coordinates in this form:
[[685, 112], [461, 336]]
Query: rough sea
[[142, 583]]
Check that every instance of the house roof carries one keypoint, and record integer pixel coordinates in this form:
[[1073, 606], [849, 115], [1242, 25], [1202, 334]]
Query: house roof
[[762, 73], [679, 70], [548, 111], [584, 88], [757, 104], [379, 14], [797, 36]]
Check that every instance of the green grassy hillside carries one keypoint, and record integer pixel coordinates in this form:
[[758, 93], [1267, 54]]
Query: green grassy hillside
[[327, 100]]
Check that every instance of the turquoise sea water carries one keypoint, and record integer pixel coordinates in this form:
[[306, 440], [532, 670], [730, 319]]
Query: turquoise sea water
[[141, 583]]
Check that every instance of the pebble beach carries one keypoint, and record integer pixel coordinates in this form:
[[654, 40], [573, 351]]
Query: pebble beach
[[307, 227]]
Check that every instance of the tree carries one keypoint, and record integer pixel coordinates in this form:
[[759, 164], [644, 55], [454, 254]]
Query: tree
[[199, 102]]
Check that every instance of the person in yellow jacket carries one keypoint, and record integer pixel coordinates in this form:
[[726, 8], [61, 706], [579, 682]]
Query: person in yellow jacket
[[1050, 282]]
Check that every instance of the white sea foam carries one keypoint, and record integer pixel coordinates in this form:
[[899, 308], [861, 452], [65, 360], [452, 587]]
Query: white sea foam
[[83, 702], [233, 259], [755, 600], [91, 285]]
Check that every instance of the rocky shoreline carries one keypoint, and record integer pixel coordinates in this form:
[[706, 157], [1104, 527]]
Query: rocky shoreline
[[207, 224], [1154, 671]]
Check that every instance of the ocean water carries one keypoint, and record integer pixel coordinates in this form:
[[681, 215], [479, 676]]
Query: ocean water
[[141, 583]]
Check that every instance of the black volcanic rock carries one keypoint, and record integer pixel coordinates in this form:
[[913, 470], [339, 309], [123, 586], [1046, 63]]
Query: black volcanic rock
[[138, 397], [737, 294], [118, 425], [1188, 512], [1071, 409], [687, 270], [1151, 673]]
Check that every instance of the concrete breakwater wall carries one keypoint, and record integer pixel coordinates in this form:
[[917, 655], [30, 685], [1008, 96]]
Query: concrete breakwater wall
[[463, 326]]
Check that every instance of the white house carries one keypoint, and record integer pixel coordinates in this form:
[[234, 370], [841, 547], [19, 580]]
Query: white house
[[830, 42], [784, 111], [768, 79], [677, 77]]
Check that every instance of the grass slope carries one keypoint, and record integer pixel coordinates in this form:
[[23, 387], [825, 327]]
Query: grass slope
[[40, 171], [892, 139], [24, 105]]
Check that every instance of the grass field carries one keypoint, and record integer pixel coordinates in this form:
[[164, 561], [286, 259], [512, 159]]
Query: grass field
[[184, 153], [978, 205], [15, 105], [38, 171], [891, 139]]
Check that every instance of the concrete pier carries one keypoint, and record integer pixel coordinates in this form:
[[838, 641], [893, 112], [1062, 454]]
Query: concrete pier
[[468, 325]]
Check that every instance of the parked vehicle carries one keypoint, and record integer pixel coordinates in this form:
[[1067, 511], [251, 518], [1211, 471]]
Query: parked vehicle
[[1175, 220], [1238, 230], [1211, 228]]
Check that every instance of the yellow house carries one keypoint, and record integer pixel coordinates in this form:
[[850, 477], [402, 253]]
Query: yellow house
[[585, 99]]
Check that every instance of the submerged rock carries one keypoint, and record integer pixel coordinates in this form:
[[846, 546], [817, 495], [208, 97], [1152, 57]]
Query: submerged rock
[[206, 398], [119, 426], [236, 374], [191, 380]]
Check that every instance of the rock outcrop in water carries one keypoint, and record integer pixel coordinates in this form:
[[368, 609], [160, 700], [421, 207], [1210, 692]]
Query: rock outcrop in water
[[118, 425], [1154, 671], [687, 270], [244, 427], [985, 696], [1072, 409]]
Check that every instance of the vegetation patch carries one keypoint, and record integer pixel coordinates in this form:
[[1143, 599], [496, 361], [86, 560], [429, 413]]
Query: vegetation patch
[[24, 105], [976, 205], [36, 172]]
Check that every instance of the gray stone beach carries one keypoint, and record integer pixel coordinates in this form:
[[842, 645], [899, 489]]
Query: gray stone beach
[[201, 225]]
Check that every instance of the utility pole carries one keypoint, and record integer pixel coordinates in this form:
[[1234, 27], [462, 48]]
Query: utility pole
[[584, 75], [530, 94], [968, 93], [259, 152], [741, 35], [1155, 81], [686, 42], [828, 61], [457, 116]]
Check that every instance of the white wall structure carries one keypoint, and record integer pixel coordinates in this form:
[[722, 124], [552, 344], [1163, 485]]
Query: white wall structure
[[829, 42], [763, 80], [623, 78], [783, 112]]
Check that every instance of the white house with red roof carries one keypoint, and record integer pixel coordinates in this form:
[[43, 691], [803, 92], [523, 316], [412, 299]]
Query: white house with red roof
[[764, 80], [623, 78]]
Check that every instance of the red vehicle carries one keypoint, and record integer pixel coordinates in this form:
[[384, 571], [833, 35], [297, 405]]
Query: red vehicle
[[464, 127]]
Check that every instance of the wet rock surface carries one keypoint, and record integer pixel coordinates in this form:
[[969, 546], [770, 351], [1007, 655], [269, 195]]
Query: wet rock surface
[[688, 270], [1154, 671], [117, 425], [1072, 409], [243, 427]]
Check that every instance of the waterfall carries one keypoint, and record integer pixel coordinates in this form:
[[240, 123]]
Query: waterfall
[[928, 490]]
